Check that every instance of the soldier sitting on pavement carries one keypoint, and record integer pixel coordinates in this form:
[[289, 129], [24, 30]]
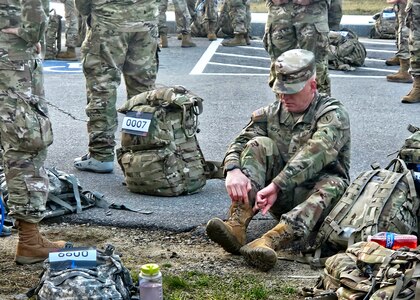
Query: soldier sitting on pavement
[[292, 160]]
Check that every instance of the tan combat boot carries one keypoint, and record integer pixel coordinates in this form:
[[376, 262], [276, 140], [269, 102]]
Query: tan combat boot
[[393, 61], [70, 54], [231, 234], [413, 96], [163, 40], [402, 75], [32, 247], [186, 41], [211, 31], [238, 40], [261, 253]]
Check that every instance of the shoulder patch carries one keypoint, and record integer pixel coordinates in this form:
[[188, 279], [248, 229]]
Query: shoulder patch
[[258, 115], [334, 117]]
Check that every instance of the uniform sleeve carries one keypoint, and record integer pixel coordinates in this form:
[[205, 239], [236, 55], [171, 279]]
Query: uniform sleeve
[[332, 133], [34, 21], [84, 6], [256, 127]]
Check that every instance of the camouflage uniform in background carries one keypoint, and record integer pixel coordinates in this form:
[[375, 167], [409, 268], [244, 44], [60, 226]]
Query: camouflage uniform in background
[[413, 23], [401, 31], [206, 16], [307, 158], [183, 19], [335, 13], [72, 23], [291, 25], [227, 19], [121, 40], [180, 18], [24, 128]]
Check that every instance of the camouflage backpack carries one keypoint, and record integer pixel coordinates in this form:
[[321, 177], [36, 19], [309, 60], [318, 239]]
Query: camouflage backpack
[[369, 271], [110, 279], [384, 27], [159, 153], [377, 200], [53, 35], [345, 51], [410, 152]]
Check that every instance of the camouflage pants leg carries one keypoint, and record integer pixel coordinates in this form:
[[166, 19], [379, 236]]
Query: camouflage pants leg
[[402, 33], [132, 54], [290, 26], [238, 15], [210, 11], [335, 14], [72, 23], [413, 22], [225, 23], [163, 7], [182, 16], [25, 132]]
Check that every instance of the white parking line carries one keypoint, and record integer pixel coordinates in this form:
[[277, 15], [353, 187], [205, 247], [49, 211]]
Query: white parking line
[[205, 58], [242, 56], [379, 50], [238, 66]]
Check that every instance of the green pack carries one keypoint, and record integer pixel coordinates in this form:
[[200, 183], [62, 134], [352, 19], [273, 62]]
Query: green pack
[[345, 51], [53, 35], [385, 24], [369, 271], [410, 152], [383, 199], [162, 157]]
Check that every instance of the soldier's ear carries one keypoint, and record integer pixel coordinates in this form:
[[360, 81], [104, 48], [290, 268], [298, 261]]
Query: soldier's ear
[[313, 84]]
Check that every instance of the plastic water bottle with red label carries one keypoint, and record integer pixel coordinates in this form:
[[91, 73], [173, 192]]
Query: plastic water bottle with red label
[[394, 241]]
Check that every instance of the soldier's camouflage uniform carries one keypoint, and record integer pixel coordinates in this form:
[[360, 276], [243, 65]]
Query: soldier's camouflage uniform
[[182, 12], [25, 128], [291, 25], [121, 40], [401, 31], [206, 12], [308, 159], [413, 23], [335, 14], [236, 15], [72, 23]]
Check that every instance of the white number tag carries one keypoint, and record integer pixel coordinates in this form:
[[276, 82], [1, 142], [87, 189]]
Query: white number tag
[[72, 258], [137, 123], [388, 15]]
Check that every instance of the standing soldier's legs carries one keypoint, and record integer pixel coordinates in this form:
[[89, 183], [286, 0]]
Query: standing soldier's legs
[[413, 19], [102, 64], [237, 16], [81, 33], [140, 67], [403, 54], [25, 135], [296, 224], [260, 161], [181, 8], [163, 28], [335, 14], [210, 18], [72, 37]]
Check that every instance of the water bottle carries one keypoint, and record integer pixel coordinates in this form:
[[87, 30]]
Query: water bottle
[[150, 284], [394, 240]]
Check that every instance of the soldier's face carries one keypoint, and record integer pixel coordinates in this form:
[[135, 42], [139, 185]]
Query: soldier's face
[[299, 102]]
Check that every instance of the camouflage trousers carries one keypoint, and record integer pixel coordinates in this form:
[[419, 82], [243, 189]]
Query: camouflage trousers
[[402, 32], [239, 13], [413, 23], [290, 26], [206, 13], [335, 14], [106, 55], [26, 132], [180, 18], [182, 14], [304, 207], [227, 19], [72, 23]]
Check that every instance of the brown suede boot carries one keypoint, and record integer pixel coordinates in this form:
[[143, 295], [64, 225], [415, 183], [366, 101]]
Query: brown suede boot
[[163, 41], [261, 253], [402, 75], [393, 61], [186, 41], [238, 40], [413, 96], [70, 54], [32, 247], [231, 235], [211, 31]]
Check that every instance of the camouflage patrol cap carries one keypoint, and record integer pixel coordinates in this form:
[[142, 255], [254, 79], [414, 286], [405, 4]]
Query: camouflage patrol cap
[[293, 69]]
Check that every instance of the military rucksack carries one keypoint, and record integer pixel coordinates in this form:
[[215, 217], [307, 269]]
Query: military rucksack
[[377, 200], [345, 51], [369, 271], [110, 279], [385, 23], [53, 35], [159, 153]]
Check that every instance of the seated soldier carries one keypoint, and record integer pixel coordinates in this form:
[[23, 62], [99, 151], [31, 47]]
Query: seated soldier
[[292, 160]]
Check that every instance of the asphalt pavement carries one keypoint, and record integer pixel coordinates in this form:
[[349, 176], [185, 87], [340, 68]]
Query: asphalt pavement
[[233, 83]]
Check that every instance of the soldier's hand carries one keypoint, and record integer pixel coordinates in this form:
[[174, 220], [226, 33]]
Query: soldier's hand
[[38, 47], [266, 197], [11, 30], [238, 186]]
